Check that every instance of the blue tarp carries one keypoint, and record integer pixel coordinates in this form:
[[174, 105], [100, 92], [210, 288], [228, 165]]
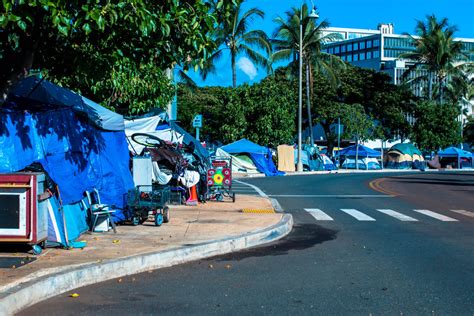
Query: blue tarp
[[363, 152], [76, 154], [261, 156], [455, 152]]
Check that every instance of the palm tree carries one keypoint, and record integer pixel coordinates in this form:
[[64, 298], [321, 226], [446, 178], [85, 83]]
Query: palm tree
[[437, 55], [233, 35], [286, 44]]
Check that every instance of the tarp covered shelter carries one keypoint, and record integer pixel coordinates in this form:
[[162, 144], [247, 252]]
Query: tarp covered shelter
[[363, 151], [403, 156], [81, 145], [240, 163], [362, 163], [463, 158], [261, 156]]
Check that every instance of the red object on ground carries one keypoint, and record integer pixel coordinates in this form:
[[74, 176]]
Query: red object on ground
[[193, 198]]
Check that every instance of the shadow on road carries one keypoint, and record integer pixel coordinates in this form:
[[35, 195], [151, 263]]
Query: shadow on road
[[303, 236]]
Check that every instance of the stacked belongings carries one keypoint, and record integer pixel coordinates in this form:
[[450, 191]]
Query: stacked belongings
[[179, 160]]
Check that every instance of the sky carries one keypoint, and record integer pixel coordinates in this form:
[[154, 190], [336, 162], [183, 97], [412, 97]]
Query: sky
[[364, 14]]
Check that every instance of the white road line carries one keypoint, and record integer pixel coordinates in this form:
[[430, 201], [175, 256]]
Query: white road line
[[252, 186], [318, 214], [332, 196], [436, 215], [397, 215], [357, 215], [463, 212]]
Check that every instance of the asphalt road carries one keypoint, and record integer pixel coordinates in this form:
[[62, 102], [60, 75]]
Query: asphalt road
[[361, 262]]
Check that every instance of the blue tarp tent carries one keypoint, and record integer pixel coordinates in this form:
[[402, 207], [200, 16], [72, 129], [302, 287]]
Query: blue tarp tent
[[80, 146], [463, 157], [362, 152], [261, 156]]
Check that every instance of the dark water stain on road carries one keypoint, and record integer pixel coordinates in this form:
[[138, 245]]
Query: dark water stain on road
[[303, 236]]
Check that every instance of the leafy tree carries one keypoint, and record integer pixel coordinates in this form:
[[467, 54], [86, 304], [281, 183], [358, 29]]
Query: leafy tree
[[468, 131], [436, 127], [233, 34], [286, 43], [263, 112], [440, 56], [93, 46]]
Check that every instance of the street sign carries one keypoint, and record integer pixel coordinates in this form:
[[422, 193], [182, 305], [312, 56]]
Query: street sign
[[197, 121]]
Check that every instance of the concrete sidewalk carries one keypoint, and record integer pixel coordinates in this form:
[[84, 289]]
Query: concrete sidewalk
[[193, 232]]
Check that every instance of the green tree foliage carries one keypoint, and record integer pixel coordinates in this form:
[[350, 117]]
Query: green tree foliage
[[386, 103], [440, 56], [468, 131], [233, 34], [95, 45], [436, 126], [263, 112], [286, 43]]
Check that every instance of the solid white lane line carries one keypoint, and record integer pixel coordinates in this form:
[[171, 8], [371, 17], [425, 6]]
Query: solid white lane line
[[318, 214], [463, 212], [436, 215], [357, 215], [400, 216]]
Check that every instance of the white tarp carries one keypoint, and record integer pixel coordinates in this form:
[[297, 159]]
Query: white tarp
[[105, 118], [238, 165], [364, 163]]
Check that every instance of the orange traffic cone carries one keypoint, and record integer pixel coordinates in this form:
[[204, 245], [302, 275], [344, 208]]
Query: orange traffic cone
[[193, 199]]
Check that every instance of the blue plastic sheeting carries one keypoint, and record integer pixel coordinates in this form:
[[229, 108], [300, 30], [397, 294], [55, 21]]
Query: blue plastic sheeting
[[66, 224], [261, 156], [33, 93], [76, 155], [455, 152], [363, 152], [311, 164]]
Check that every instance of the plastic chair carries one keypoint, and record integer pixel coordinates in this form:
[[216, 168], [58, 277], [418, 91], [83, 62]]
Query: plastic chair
[[98, 210]]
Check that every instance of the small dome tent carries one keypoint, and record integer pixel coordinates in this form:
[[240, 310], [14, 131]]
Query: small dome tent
[[403, 156]]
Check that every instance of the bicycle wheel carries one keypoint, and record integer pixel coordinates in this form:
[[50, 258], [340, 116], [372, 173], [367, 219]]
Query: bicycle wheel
[[147, 140]]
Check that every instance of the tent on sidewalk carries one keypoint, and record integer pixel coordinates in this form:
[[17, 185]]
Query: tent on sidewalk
[[403, 156], [366, 158], [452, 155], [78, 143], [261, 156]]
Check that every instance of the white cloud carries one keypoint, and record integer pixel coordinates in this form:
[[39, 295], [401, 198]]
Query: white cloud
[[247, 67]]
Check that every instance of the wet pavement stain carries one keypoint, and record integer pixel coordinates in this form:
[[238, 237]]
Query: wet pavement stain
[[303, 236]]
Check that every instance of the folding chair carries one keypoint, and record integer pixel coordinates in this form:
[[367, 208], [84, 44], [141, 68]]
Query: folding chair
[[98, 210]]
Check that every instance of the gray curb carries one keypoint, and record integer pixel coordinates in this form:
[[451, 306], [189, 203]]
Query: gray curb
[[44, 287]]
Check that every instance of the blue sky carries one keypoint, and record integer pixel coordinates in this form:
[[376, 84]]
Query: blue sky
[[347, 13]]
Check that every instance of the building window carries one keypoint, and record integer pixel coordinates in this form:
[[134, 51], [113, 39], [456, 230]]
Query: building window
[[369, 55], [356, 57], [362, 56], [376, 54], [344, 57], [336, 50], [349, 57], [343, 48], [331, 50], [349, 48], [362, 45], [369, 44], [355, 46], [376, 42]]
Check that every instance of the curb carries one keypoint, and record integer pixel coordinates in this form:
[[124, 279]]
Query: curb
[[56, 283]]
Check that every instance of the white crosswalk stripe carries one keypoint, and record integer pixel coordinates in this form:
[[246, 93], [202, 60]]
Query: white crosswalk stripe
[[318, 214], [400, 216], [436, 215], [357, 215], [464, 212]]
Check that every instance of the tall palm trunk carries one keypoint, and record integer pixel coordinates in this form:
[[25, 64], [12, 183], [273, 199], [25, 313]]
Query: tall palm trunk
[[308, 104], [234, 74]]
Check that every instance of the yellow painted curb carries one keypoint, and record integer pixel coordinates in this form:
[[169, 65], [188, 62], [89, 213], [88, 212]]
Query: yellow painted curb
[[248, 210]]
